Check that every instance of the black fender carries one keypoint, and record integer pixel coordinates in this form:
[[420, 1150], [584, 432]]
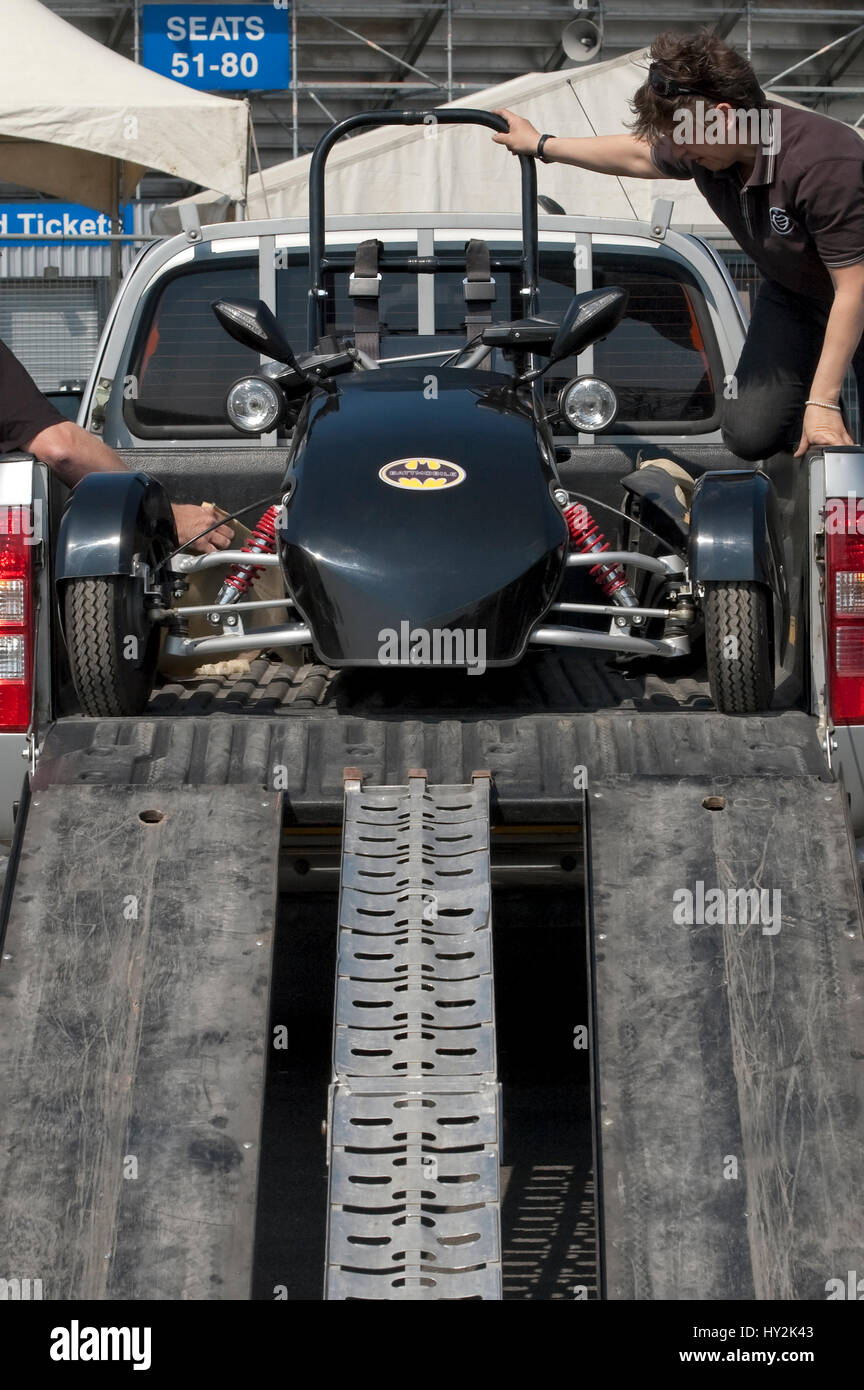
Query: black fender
[[110, 518], [735, 534], [106, 520]]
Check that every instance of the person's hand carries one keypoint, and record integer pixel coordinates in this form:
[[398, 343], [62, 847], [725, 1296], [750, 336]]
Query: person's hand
[[822, 426], [190, 520], [522, 136]]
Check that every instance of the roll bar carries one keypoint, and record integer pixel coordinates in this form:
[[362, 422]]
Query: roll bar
[[440, 116]]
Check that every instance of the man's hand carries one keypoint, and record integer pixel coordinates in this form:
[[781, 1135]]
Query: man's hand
[[822, 426], [521, 138], [842, 336], [191, 520], [72, 453], [622, 155]]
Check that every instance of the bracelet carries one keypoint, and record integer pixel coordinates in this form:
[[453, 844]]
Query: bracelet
[[538, 153], [826, 405]]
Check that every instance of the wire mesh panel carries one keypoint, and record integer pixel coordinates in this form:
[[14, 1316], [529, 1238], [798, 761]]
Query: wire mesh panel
[[53, 325]]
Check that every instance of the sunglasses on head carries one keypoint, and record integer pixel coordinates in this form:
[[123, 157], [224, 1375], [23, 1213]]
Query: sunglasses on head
[[668, 87]]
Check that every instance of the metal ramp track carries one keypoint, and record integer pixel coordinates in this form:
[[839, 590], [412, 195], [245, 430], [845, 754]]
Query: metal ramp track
[[413, 1132]]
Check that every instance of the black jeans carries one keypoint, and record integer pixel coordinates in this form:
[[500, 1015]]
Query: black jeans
[[775, 372]]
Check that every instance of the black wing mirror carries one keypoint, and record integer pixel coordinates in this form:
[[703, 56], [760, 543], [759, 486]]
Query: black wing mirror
[[256, 327], [589, 317]]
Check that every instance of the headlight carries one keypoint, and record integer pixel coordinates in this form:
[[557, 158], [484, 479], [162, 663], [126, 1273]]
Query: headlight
[[253, 405], [588, 403]]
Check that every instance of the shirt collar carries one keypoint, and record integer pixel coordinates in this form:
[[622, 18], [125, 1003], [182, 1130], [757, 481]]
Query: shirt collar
[[765, 164]]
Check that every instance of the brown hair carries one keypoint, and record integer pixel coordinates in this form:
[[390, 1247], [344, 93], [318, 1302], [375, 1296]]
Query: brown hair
[[700, 60]]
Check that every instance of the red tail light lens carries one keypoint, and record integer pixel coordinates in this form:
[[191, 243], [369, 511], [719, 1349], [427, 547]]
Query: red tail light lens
[[16, 619], [844, 556]]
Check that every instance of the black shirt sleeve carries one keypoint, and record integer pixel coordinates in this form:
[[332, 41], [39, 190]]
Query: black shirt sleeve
[[24, 411], [830, 200]]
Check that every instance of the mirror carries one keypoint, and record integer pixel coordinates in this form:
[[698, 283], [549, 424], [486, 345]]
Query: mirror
[[256, 327], [589, 316]]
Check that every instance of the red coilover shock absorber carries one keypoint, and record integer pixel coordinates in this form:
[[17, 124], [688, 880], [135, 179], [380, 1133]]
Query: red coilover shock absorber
[[261, 542], [587, 537]]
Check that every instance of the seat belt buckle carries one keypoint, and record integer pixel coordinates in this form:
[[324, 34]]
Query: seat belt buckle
[[478, 290], [365, 286]]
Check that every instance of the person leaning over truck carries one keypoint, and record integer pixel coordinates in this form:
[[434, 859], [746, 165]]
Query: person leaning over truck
[[29, 422], [791, 194]]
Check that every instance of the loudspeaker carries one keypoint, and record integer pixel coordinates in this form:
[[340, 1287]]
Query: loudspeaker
[[581, 40]]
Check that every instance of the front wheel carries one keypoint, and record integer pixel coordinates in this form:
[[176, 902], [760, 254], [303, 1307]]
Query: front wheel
[[738, 646], [113, 646]]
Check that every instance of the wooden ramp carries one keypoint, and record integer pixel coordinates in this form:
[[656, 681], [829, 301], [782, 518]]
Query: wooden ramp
[[134, 992], [729, 1056]]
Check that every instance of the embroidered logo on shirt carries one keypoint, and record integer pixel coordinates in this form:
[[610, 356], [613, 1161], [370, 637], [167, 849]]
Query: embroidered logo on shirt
[[781, 221]]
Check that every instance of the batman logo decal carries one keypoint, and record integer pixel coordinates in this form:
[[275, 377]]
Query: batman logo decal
[[422, 474]]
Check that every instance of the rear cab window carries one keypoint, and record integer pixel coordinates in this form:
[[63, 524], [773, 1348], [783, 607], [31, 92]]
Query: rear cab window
[[662, 359]]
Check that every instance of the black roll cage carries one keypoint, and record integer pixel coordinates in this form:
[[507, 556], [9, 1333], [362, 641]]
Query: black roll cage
[[318, 262]]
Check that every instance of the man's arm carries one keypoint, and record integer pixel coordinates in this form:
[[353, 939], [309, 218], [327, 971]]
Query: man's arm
[[601, 154], [72, 453], [842, 336]]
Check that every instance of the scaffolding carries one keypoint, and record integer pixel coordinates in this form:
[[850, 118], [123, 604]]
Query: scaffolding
[[349, 55]]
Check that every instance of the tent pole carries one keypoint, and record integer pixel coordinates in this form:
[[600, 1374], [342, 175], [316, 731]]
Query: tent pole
[[258, 166], [116, 253], [295, 126]]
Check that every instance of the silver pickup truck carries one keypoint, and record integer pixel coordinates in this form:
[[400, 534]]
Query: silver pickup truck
[[157, 394], [666, 743]]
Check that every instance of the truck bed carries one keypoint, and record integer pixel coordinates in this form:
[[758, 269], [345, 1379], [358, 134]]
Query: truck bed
[[530, 725], [544, 682]]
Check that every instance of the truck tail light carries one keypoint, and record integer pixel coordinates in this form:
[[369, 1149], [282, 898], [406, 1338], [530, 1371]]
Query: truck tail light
[[16, 619], [844, 557]]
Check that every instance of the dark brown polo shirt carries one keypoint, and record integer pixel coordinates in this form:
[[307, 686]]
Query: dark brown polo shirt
[[802, 206], [24, 411]]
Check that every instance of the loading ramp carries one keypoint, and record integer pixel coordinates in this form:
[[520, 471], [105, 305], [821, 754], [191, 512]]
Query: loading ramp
[[144, 1038], [729, 1055], [133, 1031], [414, 1203]]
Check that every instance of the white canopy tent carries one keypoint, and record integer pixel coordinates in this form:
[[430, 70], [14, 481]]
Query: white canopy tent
[[76, 117], [460, 169]]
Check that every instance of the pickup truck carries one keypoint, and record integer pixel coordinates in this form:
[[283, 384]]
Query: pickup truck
[[152, 857]]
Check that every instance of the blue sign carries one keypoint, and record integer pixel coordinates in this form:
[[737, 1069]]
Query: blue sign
[[227, 48], [48, 220]]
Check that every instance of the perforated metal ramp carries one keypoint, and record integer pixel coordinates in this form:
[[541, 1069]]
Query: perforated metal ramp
[[414, 1195]]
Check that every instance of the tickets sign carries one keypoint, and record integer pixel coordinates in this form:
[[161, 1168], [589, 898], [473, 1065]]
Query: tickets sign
[[44, 220]]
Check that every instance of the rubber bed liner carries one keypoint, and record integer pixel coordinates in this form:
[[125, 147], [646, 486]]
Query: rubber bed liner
[[530, 725], [543, 680]]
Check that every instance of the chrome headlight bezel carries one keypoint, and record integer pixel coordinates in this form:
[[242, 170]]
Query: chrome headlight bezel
[[273, 404], [579, 390]]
